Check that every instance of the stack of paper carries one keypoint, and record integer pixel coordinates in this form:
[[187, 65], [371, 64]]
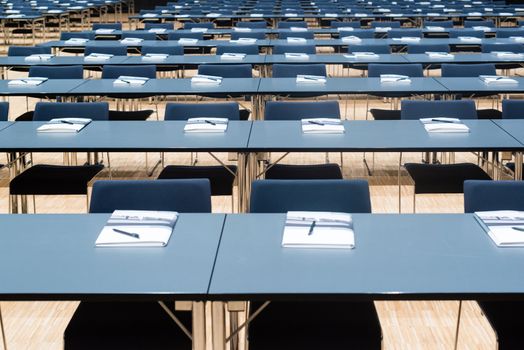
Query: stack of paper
[[289, 14], [507, 54], [435, 28], [76, 41], [17, 15], [97, 57], [206, 80], [351, 39], [305, 229], [362, 15], [131, 41], [150, 15], [104, 31], [482, 28], [497, 79], [155, 57], [382, 29], [33, 81], [256, 15], [519, 39], [58, 11], [408, 39], [437, 55], [298, 29], [244, 41], [506, 14], [38, 57], [504, 227], [470, 39], [294, 40], [242, 29], [198, 30], [395, 78], [331, 15], [475, 14], [444, 125], [136, 228], [362, 55], [206, 125], [157, 30], [125, 80], [296, 56], [322, 126], [187, 41], [213, 14], [310, 79], [226, 56], [345, 29], [67, 125]]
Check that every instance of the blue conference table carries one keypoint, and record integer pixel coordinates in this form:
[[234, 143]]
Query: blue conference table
[[60, 87], [476, 85]]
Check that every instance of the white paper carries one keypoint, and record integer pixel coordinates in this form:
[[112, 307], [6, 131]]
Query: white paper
[[310, 79], [395, 78], [408, 39], [98, 57], [199, 30], [187, 41], [444, 125], [244, 41], [351, 39], [296, 56], [293, 40], [64, 125], [157, 30], [470, 39], [226, 56], [206, 79], [76, 41], [131, 40], [206, 125], [155, 57], [362, 55], [443, 55], [497, 79], [504, 227], [38, 58], [33, 81], [125, 80], [104, 31], [322, 126], [242, 29], [298, 29]]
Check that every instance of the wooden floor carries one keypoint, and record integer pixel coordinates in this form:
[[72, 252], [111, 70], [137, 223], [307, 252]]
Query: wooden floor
[[405, 325]]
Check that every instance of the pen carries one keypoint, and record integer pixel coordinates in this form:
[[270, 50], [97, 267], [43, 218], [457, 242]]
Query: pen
[[209, 122], [311, 228], [521, 229], [442, 120], [130, 234], [67, 122], [315, 122]]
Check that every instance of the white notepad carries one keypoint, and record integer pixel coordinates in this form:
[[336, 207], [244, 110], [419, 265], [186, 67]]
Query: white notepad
[[131, 41], [382, 29], [305, 229], [205, 124], [213, 14], [322, 126], [150, 15], [242, 29], [444, 125], [126, 80], [104, 31], [408, 39], [206, 79], [38, 58], [497, 79], [97, 57], [256, 15], [244, 41], [518, 39], [155, 57], [504, 227], [482, 28], [294, 40], [362, 55], [470, 39], [137, 228], [198, 30], [439, 55], [435, 28], [187, 41], [33, 81], [351, 39], [331, 15], [232, 56], [76, 41], [298, 29], [157, 30], [64, 125], [310, 79], [290, 14], [296, 56], [507, 54], [394, 79]]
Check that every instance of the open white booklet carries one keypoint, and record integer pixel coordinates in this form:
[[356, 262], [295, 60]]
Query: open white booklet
[[155, 57], [310, 229], [504, 227], [296, 56], [96, 57], [362, 55], [32, 81], [395, 79], [322, 126], [137, 228], [38, 57], [310, 79], [206, 79], [66, 125], [125, 80], [444, 125], [204, 124], [497, 79], [232, 56]]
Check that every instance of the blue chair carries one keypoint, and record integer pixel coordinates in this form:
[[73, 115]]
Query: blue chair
[[473, 23], [191, 25], [42, 179], [516, 48], [452, 70], [384, 24], [57, 72], [167, 26], [292, 70], [423, 48], [503, 316], [251, 35], [4, 111], [115, 26], [443, 24], [290, 34], [512, 109], [28, 50], [400, 33], [117, 50], [252, 24], [226, 71], [509, 32], [456, 33], [83, 35], [113, 72], [110, 325], [289, 24], [359, 33], [139, 34], [230, 48], [283, 49], [441, 178], [285, 110], [336, 325]]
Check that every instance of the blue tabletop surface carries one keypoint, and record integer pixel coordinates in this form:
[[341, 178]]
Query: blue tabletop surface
[[49, 87], [514, 127], [472, 85]]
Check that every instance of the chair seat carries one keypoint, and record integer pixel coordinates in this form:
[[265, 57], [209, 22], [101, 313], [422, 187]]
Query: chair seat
[[125, 326], [304, 172], [25, 117], [220, 178], [44, 179], [316, 325], [443, 178], [385, 114], [505, 318], [489, 114], [130, 115]]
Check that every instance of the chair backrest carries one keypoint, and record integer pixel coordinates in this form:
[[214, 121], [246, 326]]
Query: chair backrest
[[187, 196], [191, 25], [512, 109], [462, 109], [227, 71], [283, 49], [165, 49], [252, 24], [177, 35], [485, 195], [4, 111], [280, 196], [184, 111], [139, 34], [83, 35], [375, 48], [113, 72], [57, 72], [168, 26], [292, 70], [455, 33], [290, 34], [45, 111], [473, 23], [289, 24], [246, 49], [115, 26], [508, 32], [422, 48], [443, 24], [359, 33], [382, 24], [400, 33], [516, 48], [413, 70], [251, 35], [338, 24], [28, 50], [117, 50], [467, 70], [285, 110]]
